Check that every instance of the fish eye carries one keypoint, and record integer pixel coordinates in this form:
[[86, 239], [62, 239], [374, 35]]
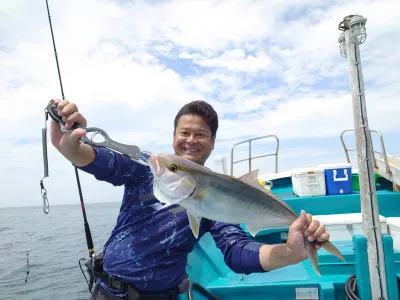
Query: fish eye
[[173, 168]]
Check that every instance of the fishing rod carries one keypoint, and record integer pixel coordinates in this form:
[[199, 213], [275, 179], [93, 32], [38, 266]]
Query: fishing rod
[[131, 151], [48, 111]]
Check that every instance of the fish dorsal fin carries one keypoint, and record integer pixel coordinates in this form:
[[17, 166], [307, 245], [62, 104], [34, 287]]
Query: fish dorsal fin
[[251, 179]]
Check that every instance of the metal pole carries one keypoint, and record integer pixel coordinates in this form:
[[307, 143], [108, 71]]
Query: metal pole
[[249, 156], [369, 204]]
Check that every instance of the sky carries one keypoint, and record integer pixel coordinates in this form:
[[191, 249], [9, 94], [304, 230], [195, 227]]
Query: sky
[[267, 67]]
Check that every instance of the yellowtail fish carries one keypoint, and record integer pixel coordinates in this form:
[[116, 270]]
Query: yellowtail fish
[[207, 194]]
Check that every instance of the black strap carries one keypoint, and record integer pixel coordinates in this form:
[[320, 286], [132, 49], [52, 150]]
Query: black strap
[[117, 283]]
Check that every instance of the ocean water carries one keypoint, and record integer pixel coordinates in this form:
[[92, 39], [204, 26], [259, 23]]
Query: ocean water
[[56, 242]]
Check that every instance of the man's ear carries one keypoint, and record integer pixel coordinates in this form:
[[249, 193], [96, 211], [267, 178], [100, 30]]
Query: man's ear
[[213, 141]]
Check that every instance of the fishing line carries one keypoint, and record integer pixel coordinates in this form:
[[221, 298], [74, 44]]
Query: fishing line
[[28, 267], [28, 270]]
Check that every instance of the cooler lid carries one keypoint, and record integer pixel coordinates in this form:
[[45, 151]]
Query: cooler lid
[[335, 166], [393, 222], [304, 171], [343, 219]]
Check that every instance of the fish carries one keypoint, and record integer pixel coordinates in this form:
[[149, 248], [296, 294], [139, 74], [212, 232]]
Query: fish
[[204, 193]]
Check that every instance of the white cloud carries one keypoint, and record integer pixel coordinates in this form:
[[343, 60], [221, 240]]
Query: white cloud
[[236, 60], [268, 67]]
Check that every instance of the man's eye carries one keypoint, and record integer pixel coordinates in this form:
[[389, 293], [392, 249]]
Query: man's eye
[[173, 168]]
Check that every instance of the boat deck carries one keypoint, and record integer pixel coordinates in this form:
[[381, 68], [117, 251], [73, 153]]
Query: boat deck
[[206, 263]]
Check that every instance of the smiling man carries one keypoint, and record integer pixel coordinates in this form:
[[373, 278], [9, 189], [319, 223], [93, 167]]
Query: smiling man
[[194, 137], [145, 256]]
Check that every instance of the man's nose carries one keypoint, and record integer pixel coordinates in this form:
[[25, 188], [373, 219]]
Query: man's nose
[[191, 138]]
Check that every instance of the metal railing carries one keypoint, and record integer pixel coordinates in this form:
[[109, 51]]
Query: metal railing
[[250, 158], [383, 153]]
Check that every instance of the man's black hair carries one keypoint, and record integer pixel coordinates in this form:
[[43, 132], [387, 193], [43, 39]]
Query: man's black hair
[[202, 109]]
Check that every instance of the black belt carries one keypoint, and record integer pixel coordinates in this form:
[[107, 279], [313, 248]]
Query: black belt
[[133, 293]]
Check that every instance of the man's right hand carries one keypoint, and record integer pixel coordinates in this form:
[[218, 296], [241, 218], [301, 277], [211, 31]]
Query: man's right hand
[[68, 142]]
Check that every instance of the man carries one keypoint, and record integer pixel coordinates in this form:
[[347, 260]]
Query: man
[[146, 253]]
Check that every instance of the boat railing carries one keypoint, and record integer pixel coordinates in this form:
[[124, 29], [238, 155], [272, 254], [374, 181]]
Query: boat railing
[[250, 158], [383, 153]]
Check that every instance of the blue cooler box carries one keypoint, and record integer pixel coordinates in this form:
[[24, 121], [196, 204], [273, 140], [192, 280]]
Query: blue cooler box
[[338, 178]]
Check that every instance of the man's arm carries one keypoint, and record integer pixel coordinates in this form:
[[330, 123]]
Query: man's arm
[[104, 164], [113, 167], [276, 256], [243, 255]]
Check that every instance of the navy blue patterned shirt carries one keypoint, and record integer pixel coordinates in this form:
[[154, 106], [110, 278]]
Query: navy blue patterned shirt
[[149, 245]]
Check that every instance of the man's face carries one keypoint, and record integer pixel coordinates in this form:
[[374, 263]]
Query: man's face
[[192, 139]]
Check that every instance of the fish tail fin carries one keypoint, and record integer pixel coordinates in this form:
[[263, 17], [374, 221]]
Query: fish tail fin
[[328, 246], [312, 255]]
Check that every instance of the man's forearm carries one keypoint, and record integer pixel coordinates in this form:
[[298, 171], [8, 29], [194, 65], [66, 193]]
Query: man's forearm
[[83, 157], [276, 256]]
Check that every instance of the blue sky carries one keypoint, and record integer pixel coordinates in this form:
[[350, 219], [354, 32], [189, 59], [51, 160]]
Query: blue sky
[[267, 67]]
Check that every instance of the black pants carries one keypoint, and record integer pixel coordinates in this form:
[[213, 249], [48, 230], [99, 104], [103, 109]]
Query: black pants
[[99, 293]]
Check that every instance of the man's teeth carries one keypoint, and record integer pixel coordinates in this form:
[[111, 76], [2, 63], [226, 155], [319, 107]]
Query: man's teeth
[[191, 150]]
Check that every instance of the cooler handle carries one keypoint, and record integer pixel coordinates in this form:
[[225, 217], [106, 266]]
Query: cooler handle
[[314, 180], [345, 178]]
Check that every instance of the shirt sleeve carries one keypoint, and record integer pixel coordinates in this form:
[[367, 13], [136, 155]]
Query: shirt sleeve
[[113, 167], [241, 253]]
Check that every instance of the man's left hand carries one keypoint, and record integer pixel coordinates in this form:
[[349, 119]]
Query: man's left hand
[[304, 227]]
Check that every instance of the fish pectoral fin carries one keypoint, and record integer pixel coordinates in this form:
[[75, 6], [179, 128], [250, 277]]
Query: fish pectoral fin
[[194, 222], [200, 194], [254, 229]]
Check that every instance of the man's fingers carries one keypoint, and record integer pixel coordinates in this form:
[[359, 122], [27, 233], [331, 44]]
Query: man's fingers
[[75, 117], [68, 109], [312, 227], [60, 106], [300, 222], [320, 230], [308, 221], [78, 133], [324, 237], [69, 113]]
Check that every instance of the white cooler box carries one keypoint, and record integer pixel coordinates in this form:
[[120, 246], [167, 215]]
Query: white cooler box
[[393, 224], [308, 182], [342, 227]]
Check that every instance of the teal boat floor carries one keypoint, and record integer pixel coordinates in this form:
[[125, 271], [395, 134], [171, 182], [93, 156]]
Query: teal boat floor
[[216, 277]]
